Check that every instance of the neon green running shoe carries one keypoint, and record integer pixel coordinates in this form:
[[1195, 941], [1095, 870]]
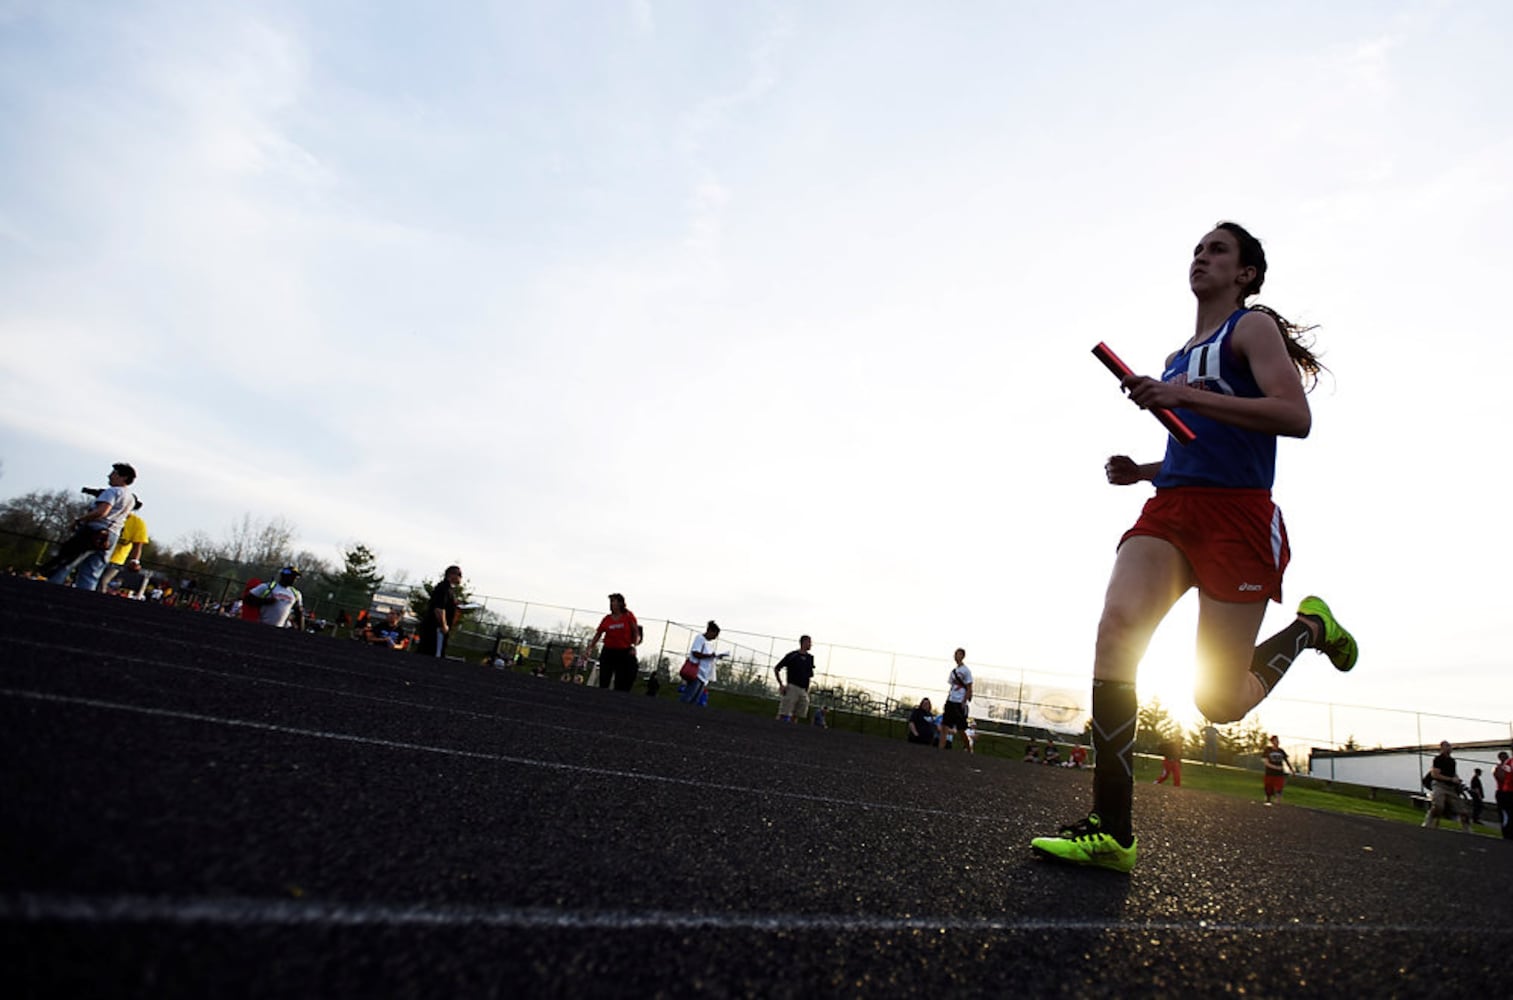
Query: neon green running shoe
[[1085, 843], [1335, 643]]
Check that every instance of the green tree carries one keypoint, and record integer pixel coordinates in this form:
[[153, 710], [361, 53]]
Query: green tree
[[30, 523], [42, 513], [1155, 726], [1242, 738], [420, 597], [353, 588]]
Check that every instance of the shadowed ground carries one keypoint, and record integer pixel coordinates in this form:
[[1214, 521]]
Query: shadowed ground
[[200, 806]]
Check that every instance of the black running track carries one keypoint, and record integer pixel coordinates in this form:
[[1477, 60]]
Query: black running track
[[195, 806]]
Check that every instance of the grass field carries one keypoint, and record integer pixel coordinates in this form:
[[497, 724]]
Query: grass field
[[1303, 792]]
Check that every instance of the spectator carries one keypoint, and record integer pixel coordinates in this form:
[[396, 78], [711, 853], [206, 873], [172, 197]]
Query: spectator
[[1171, 763], [819, 716], [390, 632], [1276, 766], [1210, 744], [1078, 757], [1478, 793], [128, 550], [95, 532], [1446, 797], [1052, 753], [1032, 753], [1502, 781], [246, 608], [958, 698], [441, 615], [278, 601], [701, 653], [921, 726], [617, 664], [793, 694]]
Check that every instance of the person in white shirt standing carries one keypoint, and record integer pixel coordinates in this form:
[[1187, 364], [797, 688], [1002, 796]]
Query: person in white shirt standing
[[277, 600], [954, 718], [95, 533], [702, 653]]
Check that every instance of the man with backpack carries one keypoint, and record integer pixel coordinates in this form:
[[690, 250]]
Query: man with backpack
[[95, 532], [1446, 797], [954, 717]]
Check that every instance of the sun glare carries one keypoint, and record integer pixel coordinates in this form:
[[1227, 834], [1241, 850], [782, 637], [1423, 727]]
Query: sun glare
[[1169, 667]]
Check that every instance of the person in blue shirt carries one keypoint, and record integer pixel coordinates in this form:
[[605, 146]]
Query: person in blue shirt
[[1240, 382]]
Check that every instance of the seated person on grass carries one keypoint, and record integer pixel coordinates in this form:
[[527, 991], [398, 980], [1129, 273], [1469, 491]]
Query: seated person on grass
[[921, 724], [389, 632]]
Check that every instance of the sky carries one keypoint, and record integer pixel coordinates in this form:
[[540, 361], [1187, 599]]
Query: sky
[[773, 313]]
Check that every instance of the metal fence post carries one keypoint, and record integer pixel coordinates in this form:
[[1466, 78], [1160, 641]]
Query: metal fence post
[[1333, 747]]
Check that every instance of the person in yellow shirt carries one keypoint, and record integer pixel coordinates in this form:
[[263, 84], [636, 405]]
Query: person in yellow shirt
[[128, 550]]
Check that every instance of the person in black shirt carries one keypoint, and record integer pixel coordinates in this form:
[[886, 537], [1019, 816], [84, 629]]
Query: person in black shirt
[[1446, 798], [793, 703], [1478, 794], [441, 615], [1275, 765], [921, 724], [389, 632]]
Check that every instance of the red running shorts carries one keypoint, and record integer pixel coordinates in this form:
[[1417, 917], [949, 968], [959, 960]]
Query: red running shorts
[[1234, 540]]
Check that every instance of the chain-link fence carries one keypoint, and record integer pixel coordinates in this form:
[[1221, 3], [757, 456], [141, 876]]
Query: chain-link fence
[[551, 639]]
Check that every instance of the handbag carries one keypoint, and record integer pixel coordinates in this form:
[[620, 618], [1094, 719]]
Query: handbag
[[689, 671]]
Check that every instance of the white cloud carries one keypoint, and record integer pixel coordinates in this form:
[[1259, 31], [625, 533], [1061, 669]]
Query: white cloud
[[804, 296]]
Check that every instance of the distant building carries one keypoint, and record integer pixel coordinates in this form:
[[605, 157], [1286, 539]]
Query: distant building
[[1400, 768]]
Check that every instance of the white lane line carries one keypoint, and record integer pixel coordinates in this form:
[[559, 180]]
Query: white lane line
[[250, 912], [321, 734], [501, 716]]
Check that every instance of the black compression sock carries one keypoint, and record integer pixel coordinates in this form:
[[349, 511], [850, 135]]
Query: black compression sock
[[1114, 710], [1275, 655]]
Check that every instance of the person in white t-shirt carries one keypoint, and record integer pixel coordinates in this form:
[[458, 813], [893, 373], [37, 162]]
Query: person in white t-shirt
[[702, 653], [958, 698], [95, 532], [278, 600]]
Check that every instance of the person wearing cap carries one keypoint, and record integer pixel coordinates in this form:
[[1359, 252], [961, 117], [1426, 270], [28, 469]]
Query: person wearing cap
[[279, 599], [95, 532], [1502, 783], [128, 551], [1446, 798], [441, 615]]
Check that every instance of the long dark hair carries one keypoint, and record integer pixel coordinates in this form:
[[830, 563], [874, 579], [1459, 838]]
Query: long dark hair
[[1299, 344]]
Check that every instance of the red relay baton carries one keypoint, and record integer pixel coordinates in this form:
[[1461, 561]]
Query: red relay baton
[[1173, 423]]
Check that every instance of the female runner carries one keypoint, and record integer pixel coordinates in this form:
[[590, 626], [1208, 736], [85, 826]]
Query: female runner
[[1239, 382]]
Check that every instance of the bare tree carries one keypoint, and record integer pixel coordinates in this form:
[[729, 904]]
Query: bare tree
[[258, 541]]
